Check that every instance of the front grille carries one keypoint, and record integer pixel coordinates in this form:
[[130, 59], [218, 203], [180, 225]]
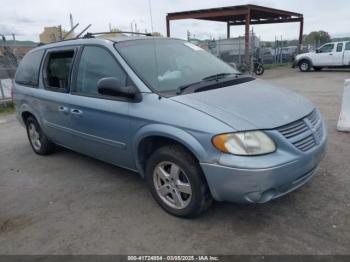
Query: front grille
[[293, 129], [305, 133]]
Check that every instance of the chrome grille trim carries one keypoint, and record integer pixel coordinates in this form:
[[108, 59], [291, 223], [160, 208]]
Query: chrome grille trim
[[293, 129], [305, 133]]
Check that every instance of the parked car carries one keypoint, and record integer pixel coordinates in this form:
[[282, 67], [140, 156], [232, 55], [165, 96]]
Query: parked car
[[191, 125], [334, 55]]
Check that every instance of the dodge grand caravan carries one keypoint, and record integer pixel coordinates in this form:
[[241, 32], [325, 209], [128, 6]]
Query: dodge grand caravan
[[193, 127]]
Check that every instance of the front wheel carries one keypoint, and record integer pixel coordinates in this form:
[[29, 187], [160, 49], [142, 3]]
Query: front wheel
[[304, 66], [176, 182]]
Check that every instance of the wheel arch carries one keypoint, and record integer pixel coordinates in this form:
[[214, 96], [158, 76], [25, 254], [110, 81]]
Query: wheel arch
[[153, 136], [25, 115], [24, 112], [307, 59]]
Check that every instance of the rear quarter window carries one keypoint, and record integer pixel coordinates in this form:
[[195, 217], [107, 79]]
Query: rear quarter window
[[29, 68], [339, 47], [347, 46]]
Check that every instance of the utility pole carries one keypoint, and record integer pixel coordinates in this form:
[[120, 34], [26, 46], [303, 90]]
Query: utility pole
[[60, 32], [132, 25], [239, 51], [71, 21], [252, 49]]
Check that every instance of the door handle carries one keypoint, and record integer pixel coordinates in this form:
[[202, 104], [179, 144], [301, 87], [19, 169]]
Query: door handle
[[76, 112], [63, 109], [330, 54]]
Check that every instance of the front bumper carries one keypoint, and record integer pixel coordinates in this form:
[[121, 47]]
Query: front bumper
[[259, 185]]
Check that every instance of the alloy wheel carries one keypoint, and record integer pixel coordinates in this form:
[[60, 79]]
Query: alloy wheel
[[304, 66], [34, 136], [172, 185]]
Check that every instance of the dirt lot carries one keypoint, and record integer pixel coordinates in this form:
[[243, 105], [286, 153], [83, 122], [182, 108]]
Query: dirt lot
[[67, 203]]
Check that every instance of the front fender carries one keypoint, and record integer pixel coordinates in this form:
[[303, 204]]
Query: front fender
[[171, 132], [304, 57]]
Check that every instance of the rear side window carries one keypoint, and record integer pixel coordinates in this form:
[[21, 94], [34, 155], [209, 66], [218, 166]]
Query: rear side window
[[28, 70], [347, 46], [339, 47], [58, 69], [96, 63]]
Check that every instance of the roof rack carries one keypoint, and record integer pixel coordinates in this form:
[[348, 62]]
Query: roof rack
[[92, 35]]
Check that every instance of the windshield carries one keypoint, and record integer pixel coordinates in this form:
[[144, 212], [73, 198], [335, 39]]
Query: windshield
[[167, 64]]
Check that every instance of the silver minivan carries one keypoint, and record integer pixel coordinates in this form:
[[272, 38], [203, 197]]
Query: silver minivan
[[192, 126]]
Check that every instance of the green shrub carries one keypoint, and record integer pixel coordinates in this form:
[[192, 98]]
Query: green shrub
[[7, 107]]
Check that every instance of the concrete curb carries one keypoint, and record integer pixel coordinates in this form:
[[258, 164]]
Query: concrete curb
[[344, 118]]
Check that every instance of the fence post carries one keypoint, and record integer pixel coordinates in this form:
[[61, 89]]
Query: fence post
[[4, 104], [239, 51]]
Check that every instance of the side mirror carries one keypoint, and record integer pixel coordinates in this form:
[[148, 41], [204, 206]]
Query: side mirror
[[111, 86], [318, 51]]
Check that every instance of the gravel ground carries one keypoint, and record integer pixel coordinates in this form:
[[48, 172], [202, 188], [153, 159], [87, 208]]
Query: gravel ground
[[68, 203]]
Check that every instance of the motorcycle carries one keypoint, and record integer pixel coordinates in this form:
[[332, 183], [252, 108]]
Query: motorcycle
[[258, 67]]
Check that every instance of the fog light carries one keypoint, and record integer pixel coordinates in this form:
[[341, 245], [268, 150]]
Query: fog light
[[253, 197], [261, 197]]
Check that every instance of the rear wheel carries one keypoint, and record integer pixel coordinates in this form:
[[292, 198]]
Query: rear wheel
[[176, 182], [317, 68], [304, 65], [38, 140], [259, 70]]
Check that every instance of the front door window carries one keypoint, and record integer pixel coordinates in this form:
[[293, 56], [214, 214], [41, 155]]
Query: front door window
[[96, 63]]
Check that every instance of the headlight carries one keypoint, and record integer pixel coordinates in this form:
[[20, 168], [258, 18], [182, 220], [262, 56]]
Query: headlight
[[244, 143]]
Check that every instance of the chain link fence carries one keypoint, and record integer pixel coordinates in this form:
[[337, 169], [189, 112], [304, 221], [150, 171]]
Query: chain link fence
[[232, 50], [10, 56]]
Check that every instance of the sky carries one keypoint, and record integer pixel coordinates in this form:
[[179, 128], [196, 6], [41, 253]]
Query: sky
[[27, 18]]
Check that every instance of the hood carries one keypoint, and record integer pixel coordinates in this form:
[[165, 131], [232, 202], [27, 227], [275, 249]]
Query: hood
[[304, 54], [251, 105]]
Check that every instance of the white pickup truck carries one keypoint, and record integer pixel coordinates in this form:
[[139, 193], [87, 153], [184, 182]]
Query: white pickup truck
[[335, 54]]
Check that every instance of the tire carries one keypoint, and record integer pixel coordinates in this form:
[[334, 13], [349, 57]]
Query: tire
[[37, 139], [259, 70], [191, 187], [304, 65], [317, 68]]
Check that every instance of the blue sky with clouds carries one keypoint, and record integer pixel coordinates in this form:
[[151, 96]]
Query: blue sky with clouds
[[27, 18]]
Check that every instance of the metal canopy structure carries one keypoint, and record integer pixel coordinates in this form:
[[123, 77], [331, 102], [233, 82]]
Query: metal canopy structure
[[241, 15]]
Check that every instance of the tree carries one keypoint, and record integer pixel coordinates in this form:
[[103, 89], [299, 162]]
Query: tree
[[317, 38]]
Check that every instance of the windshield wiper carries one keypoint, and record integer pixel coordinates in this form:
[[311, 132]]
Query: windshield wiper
[[217, 76], [180, 89]]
